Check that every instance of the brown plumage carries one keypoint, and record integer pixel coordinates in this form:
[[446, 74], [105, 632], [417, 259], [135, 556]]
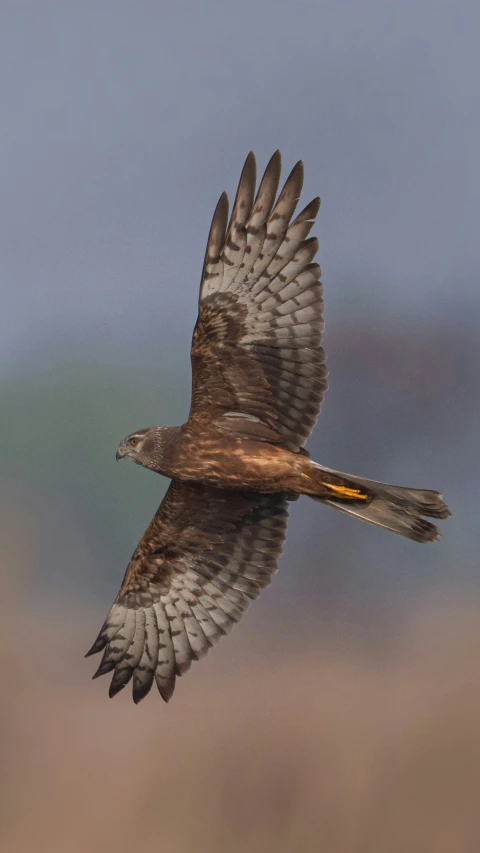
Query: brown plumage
[[259, 377]]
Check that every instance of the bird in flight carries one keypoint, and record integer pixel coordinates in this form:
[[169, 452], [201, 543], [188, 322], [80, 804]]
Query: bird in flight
[[258, 379]]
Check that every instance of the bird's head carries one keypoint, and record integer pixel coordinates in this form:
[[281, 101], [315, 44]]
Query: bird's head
[[139, 446]]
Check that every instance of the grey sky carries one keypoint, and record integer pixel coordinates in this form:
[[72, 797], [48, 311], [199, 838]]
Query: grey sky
[[123, 122]]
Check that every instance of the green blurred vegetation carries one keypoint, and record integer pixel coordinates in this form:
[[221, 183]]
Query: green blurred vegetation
[[61, 425]]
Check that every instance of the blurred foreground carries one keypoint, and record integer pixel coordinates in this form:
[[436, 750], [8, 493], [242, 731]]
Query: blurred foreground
[[325, 744]]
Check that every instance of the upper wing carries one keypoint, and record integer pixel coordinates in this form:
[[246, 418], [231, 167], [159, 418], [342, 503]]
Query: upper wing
[[206, 553], [256, 346]]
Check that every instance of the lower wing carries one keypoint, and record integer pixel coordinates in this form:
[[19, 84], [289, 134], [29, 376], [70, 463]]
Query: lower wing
[[204, 556]]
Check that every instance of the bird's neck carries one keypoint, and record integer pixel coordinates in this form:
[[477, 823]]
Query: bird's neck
[[167, 440]]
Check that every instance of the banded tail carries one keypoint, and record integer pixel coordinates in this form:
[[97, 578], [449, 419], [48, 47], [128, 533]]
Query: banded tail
[[395, 508]]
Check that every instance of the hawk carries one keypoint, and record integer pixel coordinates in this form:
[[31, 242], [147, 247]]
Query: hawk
[[259, 377]]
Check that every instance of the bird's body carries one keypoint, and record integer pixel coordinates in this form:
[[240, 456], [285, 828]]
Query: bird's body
[[213, 457], [230, 462], [258, 381]]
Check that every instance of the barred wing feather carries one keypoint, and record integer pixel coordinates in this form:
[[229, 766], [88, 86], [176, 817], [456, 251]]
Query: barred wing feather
[[256, 347], [206, 554]]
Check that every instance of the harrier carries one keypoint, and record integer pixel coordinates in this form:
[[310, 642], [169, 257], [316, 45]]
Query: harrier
[[259, 377]]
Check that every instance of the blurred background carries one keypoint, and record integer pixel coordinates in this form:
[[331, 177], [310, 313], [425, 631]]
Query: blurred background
[[342, 713]]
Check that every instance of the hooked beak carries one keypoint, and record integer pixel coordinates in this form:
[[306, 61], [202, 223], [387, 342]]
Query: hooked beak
[[121, 452]]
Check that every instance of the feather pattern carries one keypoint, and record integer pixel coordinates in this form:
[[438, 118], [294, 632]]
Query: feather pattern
[[261, 298], [206, 554], [258, 380]]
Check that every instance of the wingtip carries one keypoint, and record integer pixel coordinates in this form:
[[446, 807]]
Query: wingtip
[[138, 696], [275, 163], [166, 689], [218, 228], [120, 679], [292, 187], [298, 171], [249, 171], [309, 213], [141, 687], [97, 647], [103, 669], [222, 202]]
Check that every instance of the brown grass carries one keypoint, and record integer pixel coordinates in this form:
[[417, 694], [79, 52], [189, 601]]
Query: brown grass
[[320, 748]]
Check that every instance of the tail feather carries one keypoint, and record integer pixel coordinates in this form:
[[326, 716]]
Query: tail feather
[[394, 508]]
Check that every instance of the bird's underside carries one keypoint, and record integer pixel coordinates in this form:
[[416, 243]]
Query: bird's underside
[[258, 379]]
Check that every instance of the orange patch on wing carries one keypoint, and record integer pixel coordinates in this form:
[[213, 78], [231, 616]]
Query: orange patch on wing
[[345, 492]]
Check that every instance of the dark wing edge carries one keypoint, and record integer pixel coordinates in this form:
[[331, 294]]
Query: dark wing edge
[[206, 554], [261, 308]]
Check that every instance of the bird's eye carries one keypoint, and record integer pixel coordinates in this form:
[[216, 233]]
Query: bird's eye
[[133, 441]]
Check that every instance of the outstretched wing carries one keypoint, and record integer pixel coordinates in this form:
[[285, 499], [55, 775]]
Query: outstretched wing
[[256, 345], [205, 555]]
